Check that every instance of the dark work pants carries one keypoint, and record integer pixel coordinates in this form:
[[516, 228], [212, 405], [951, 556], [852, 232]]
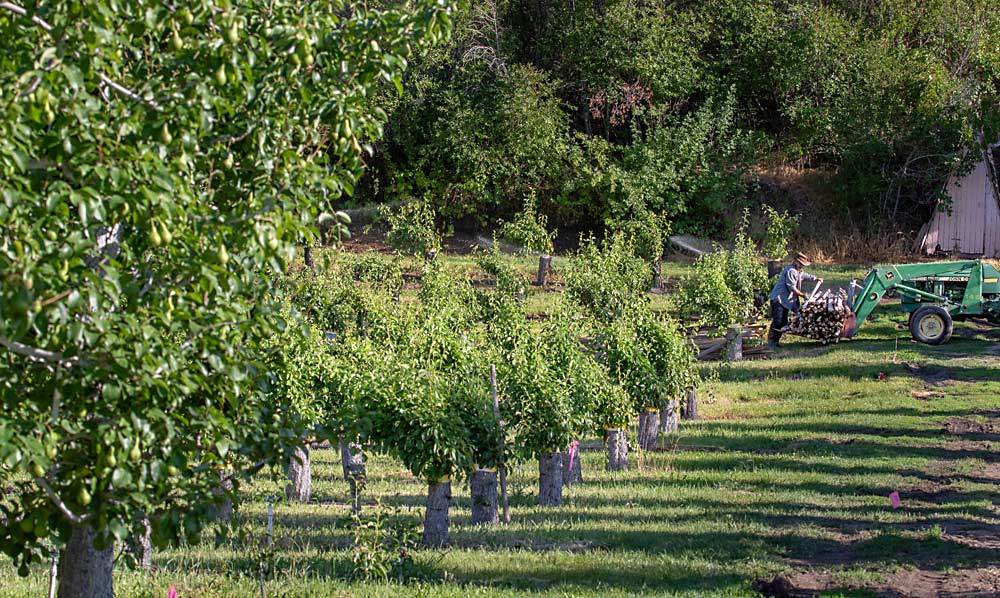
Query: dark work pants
[[779, 319]]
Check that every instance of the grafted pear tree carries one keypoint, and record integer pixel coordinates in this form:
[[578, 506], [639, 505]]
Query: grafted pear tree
[[596, 399], [653, 363], [159, 165], [427, 396], [301, 367]]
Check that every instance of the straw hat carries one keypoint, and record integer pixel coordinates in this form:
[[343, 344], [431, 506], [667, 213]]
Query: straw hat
[[802, 259]]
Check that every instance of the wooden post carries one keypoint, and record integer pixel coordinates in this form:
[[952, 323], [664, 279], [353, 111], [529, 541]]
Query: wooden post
[[691, 403], [544, 265], [616, 444], [483, 492], [657, 273], [502, 465], [550, 482], [649, 433]]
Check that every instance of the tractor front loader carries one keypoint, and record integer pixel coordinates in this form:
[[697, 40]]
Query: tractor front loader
[[933, 294]]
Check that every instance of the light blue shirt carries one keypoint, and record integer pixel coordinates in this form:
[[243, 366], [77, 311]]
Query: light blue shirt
[[789, 279]]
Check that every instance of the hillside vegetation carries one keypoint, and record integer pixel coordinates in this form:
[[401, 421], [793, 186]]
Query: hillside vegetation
[[605, 111]]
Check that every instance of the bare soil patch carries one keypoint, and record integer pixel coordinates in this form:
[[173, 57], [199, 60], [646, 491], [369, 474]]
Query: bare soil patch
[[915, 583], [930, 376]]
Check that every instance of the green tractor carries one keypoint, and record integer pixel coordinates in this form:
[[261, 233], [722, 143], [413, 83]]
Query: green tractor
[[933, 294]]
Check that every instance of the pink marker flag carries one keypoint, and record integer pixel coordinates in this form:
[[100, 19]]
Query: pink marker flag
[[171, 593], [894, 499]]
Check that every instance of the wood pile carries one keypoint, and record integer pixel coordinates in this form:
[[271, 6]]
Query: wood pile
[[822, 318], [711, 348]]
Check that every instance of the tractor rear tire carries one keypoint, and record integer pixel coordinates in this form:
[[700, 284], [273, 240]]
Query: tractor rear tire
[[932, 325]]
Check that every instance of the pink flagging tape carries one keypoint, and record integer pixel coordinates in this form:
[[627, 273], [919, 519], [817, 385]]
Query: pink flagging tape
[[894, 499], [171, 593]]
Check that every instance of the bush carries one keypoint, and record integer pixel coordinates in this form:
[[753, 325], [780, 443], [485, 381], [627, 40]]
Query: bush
[[650, 358], [412, 229], [648, 232], [509, 281]]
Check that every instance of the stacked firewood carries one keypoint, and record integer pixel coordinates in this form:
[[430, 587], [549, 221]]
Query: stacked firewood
[[822, 318]]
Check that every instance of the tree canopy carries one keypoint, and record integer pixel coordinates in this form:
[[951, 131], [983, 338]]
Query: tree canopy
[[602, 111]]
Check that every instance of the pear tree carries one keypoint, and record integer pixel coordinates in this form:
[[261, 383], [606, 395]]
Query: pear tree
[[160, 163]]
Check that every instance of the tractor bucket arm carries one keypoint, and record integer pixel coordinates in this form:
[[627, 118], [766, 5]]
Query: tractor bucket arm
[[872, 291], [882, 279]]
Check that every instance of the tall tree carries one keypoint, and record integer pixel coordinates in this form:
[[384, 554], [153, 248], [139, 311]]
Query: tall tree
[[160, 163]]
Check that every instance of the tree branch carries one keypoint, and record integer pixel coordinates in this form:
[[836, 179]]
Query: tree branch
[[36, 354], [22, 12], [73, 517]]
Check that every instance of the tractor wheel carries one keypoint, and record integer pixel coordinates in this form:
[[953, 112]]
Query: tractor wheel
[[931, 324]]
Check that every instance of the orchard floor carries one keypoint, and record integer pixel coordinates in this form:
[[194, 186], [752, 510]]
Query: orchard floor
[[782, 489]]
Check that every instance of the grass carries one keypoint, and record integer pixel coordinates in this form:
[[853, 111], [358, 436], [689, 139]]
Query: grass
[[787, 473]]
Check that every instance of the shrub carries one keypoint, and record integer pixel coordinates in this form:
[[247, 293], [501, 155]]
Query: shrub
[[378, 271], [648, 233], [650, 358], [412, 229], [509, 281]]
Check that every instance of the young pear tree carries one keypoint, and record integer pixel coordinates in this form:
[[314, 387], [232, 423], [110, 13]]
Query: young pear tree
[[653, 363], [160, 162]]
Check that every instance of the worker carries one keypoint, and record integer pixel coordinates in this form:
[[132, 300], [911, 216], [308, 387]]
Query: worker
[[786, 294]]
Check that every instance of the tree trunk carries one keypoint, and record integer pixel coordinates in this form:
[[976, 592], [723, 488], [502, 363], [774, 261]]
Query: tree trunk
[[483, 489], [353, 461], [299, 472], [690, 404], [550, 479], [773, 268], [308, 256], [436, 516], [143, 546], [649, 421], [668, 417], [616, 443], [734, 344], [572, 471], [84, 571], [544, 265], [224, 510]]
